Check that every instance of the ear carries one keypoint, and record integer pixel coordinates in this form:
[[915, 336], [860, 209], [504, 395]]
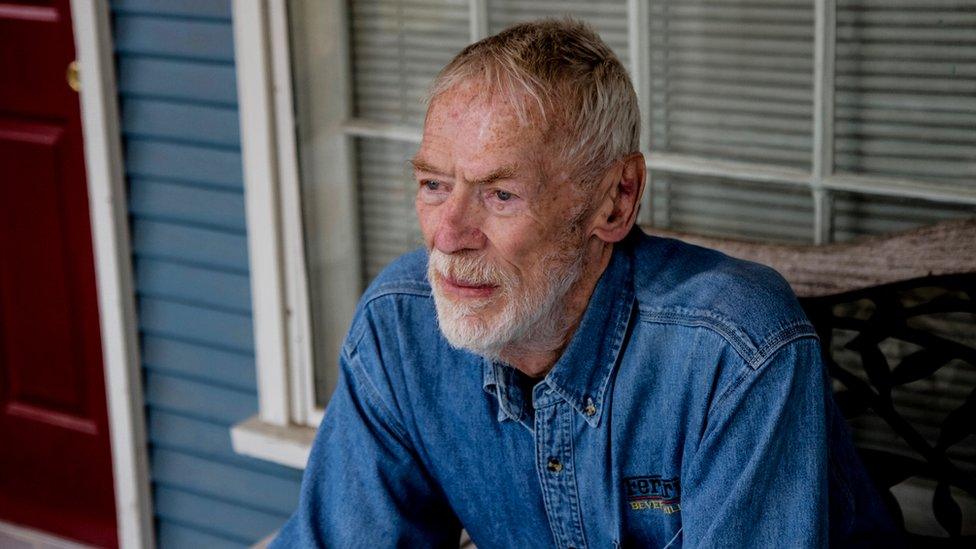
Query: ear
[[618, 213]]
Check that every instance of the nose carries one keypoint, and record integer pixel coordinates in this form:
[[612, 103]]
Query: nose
[[459, 227]]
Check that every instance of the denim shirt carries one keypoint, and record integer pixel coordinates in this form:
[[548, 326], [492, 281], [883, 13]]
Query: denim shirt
[[691, 407]]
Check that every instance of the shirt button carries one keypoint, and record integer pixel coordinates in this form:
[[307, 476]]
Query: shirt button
[[590, 409], [554, 465]]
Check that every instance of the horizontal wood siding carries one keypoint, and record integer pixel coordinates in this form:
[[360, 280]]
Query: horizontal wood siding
[[178, 100]]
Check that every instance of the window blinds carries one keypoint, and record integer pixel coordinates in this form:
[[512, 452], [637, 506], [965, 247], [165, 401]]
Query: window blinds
[[398, 47], [733, 80], [729, 80], [906, 89]]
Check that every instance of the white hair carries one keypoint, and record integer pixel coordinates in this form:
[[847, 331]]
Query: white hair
[[563, 72]]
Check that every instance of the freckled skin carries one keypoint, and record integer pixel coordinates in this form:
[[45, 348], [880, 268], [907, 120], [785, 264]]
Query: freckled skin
[[467, 136]]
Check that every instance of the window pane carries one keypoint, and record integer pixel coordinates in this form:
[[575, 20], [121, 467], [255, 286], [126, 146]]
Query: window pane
[[398, 46], [608, 18], [388, 220], [733, 79], [728, 208], [906, 89]]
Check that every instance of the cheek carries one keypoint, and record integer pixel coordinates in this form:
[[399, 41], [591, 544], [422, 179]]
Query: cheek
[[518, 246], [425, 217]]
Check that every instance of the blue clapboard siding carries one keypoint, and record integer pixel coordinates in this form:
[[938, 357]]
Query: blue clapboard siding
[[178, 100]]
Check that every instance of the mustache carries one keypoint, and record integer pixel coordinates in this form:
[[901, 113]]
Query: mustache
[[468, 269]]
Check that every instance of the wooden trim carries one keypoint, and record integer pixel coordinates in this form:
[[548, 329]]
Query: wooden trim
[[299, 329], [281, 308], [113, 271], [477, 19], [333, 203], [942, 249], [261, 199], [638, 44], [289, 446], [825, 45]]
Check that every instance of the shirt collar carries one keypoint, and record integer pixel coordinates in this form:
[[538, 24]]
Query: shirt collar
[[581, 375]]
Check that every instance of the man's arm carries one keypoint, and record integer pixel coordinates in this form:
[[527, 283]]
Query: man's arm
[[759, 476], [364, 486]]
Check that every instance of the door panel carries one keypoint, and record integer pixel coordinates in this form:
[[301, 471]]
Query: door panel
[[55, 460]]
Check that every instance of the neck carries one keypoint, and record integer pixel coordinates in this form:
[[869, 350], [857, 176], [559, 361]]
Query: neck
[[536, 358]]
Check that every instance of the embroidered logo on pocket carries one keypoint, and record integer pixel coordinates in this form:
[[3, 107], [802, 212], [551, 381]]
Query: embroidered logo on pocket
[[653, 493]]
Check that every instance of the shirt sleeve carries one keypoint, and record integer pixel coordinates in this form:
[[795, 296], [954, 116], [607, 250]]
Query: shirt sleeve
[[759, 475], [363, 485]]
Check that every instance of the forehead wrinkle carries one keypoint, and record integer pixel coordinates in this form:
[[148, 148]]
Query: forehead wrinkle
[[421, 165]]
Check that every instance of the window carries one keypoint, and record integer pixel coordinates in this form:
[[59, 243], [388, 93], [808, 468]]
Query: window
[[800, 121]]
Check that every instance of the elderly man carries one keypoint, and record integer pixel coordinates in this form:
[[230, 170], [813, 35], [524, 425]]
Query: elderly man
[[544, 374]]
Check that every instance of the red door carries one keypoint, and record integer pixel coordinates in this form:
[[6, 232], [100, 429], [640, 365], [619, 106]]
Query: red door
[[55, 461]]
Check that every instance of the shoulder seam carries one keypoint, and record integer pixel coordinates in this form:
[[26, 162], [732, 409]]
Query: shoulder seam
[[406, 287], [372, 394], [754, 356], [752, 369]]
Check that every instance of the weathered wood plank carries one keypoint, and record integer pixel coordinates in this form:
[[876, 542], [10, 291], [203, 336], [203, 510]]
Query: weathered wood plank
[[176, 79], [208, 440], [217, 404], [230, 369], [946, 248], [192, 8], [234, 522], [171, 534], [170, 37], [192, 323], [254, 490], [151, 158], [180, 202], [190, 244], [204, 287], [208, 124]]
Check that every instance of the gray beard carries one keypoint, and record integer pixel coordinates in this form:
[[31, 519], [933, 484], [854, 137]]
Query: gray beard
[[532, 321]]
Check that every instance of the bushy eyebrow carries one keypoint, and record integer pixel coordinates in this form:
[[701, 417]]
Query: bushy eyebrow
[[504, 172], [421, 166]]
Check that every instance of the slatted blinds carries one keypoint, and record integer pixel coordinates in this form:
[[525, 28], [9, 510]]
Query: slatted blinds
[[730, 80]]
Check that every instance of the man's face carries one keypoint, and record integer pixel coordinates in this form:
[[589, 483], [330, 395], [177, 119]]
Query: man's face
[[504, 251]]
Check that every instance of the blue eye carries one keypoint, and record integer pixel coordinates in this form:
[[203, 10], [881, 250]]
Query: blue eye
[[431, 185], [503, 196]]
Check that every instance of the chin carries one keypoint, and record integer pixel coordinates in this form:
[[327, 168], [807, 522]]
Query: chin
[[477, 331]]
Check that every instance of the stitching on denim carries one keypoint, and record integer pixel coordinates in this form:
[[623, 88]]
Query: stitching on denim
[[574, 496], [675, 538], [372, 394], [398, 287], [785, 336], [541, 430], [385, 290], [623, 325], [749, 370], [752, 354], [704, 319]]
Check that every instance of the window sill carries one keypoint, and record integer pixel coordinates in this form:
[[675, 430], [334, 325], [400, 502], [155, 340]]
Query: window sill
[[283, 445]]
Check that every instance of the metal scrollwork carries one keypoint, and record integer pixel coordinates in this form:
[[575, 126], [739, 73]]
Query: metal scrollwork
[[903, 360]]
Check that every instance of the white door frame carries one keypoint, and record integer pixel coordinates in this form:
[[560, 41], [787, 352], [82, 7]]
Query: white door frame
[[113, 271]]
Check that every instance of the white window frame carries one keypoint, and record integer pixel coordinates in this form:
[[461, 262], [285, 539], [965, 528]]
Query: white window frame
[[112, 251], [283, 429]]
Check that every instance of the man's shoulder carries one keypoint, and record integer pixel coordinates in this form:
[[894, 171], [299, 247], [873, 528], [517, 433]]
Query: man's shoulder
[[749, 304], [405, 275]]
